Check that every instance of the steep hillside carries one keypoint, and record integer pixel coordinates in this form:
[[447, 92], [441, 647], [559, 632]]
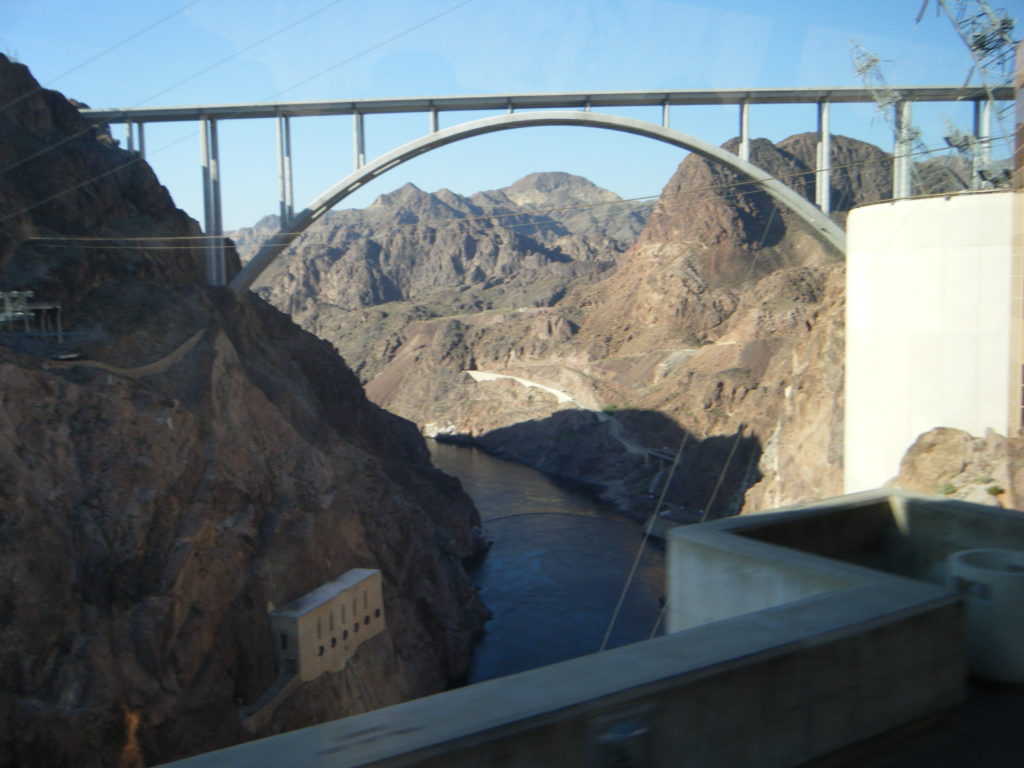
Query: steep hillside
[[204, 459], [416, 246], [721, 325]]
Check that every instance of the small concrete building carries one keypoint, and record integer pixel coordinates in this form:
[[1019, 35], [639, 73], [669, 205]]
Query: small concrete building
[[321, 630]]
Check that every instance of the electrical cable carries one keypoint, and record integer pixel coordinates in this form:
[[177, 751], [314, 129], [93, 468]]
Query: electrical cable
[[739, 431], [99, 55], [171, 87], [372, 48], [643, 542], [178, 141]]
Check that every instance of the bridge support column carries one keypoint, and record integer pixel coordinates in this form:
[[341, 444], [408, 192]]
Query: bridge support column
[[358, 141], [142, 140], [744, 132], [901, 154], [213, 227], [665, 120], [433, 121], [823, 181], [982, 138], [129, 135], [284, 169]]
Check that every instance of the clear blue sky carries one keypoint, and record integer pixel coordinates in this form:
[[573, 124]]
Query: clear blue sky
[[215, 51]]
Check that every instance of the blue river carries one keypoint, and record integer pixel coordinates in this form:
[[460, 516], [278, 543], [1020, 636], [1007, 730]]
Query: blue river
[[556, 569]]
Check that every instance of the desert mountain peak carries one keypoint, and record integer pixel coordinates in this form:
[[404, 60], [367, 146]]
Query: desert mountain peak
[[555, 186]]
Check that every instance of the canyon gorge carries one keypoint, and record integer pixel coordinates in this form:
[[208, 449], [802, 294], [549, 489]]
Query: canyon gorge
[[200, 458]]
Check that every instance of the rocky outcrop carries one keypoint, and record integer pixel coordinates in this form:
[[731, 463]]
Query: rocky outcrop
[[722, 326], [954, 463], [153, 505], [412, 245]]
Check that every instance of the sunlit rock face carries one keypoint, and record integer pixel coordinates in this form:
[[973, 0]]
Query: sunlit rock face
[[205, 460], [987, 469], [721, 326], [409, 245]]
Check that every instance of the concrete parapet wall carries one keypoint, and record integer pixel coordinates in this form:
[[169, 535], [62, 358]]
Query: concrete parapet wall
[[898, 532], [820, 653], [730, 578], [772, 688]]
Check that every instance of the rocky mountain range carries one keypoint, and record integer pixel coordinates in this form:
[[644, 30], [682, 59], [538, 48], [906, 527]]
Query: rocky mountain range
[[414, 246], [717, 325], [202, 459]]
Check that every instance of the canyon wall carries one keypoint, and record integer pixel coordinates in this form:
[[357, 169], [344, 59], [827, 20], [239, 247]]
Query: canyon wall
[[203, 460], [720, 325]]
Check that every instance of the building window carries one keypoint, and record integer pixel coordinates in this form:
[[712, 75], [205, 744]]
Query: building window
[[284, 642], [344, 635], [318, 629], [342, 613], [355, 627], [330, 621], [321, 651], [364, 601], [334, 641], [376, 614], [366, 621]]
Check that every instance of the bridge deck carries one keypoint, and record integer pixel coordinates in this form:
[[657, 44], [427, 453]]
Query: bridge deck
[[575, 100]]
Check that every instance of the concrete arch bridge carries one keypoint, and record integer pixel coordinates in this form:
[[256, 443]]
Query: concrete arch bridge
[[575, 110]]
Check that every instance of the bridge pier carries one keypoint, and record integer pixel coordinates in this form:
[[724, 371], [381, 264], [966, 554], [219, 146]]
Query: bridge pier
[[284, 169], [823, 183], [216, 274], [902, 159], [129, 137], [744, 131], [358, 141], [982, 136]]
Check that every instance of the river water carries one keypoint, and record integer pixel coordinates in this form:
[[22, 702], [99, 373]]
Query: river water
[[556, 569]]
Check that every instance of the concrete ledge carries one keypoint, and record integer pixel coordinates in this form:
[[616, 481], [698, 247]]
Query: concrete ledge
[[757, 690], [854, 653]]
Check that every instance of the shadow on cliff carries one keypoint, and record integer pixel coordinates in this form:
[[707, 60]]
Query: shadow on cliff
[[625, 457]]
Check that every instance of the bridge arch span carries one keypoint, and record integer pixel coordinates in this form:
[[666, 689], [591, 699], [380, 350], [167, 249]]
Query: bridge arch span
[[819, 222]]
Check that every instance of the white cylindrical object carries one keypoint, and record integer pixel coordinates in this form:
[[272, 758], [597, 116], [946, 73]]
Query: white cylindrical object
[[992, 580], [929, 315]]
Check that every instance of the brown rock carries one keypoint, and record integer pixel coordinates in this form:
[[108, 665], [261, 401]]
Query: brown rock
[[954, 463], [148, 518]]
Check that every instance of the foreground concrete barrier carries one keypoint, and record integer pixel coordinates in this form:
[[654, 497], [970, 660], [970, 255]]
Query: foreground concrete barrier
[[798, 633]]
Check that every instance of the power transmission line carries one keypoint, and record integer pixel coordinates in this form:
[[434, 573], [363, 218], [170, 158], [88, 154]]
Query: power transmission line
[[269, 98], [101, 54]]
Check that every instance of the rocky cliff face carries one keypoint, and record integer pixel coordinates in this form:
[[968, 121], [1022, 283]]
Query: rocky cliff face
[[951, 462], [416, 246], [722, 325], [158, 495]]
